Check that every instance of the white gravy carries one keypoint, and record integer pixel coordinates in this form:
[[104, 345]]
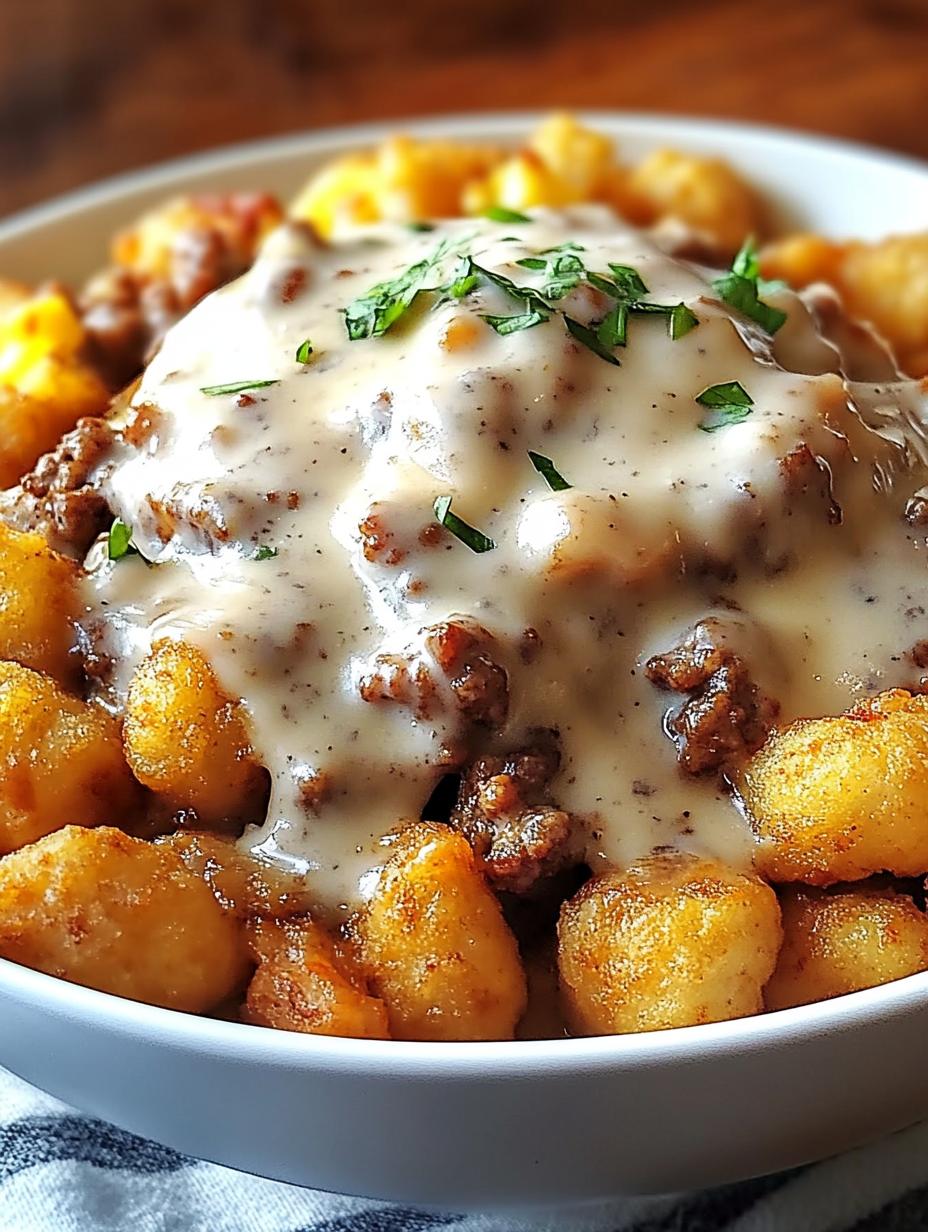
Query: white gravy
[[664, 525]]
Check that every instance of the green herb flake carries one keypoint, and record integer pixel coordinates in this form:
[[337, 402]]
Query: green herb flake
[[628, 280], [475, 539], [746, 263], [741, 289], [371, 315], [119, 542], [604, 284], [265, 553], [500, 213], [546, 468], [590, 340], [613, 329], [237, 387], [729, 403], [304, 352], [564, 272], [528, 295], [517, 322], [533, 263], [420, 226], [680, 321]]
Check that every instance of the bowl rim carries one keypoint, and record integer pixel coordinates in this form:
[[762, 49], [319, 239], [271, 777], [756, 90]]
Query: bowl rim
[[453, 123], [454, 1060]]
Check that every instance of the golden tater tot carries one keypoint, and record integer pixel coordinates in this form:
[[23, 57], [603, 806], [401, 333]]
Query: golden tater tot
[[61, 761], [45, 383], [837, 799], [38, 602], [434, 944], [703, 193], [186, 740], [12, 294], [884, 283], [158, 245], [403, 180], [303, 984], [564, 163], [243, 884], [841, 941], [675, 941], [114, 913]]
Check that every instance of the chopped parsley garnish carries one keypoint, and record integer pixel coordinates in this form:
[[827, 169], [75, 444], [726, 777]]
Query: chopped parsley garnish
[[420, 226], [729, 403], [518, 321], [628, 280], [590, 340], [265, 553], [612, 330], [528, 295], [742, 286], [304, 351], [563, 271], [546, 468], [237, 387], [463, 281], [371, 315], [680, 321], [119, 543], [475, 539], [499, 213]]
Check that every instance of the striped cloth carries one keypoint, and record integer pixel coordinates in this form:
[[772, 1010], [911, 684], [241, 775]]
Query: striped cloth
[[63, 1172]]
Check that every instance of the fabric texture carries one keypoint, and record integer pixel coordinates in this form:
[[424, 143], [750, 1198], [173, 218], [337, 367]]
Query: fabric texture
[[61, 1171]]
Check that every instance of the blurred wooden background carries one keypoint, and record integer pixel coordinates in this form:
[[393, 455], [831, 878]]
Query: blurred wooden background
[[90, 87]]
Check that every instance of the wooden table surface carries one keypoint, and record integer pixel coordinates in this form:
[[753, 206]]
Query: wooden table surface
[[91, 87]]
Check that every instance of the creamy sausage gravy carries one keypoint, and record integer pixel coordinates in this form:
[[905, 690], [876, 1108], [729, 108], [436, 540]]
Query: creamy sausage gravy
[[788, 526]]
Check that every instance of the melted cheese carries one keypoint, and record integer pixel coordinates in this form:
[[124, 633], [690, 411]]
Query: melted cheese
[[664, 525]]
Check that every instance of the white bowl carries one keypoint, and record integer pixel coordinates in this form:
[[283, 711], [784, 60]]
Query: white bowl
[[465, 1125]]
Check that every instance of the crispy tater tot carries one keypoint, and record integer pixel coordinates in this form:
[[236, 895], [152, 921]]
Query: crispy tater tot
[[844, 940], [244, 884], [703, 193], [435, 946], [837, 799], [115, 913], [675, 941], [884, 283], [61, 761], [38, 634], [303, 983], [186, 740], [46, 384]]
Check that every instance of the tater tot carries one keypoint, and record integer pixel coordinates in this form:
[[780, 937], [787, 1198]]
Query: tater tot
[[703, 193], [675, 941], [434, 944], [115, 913], [37, 633], [186, 740], [304, 984], [840, 941], [61, 761], [244, 885], [884, 283], [158, 243], [46, 384], [836, 799]]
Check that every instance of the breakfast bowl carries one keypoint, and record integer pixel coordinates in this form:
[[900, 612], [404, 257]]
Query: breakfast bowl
[[483, 1122]]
